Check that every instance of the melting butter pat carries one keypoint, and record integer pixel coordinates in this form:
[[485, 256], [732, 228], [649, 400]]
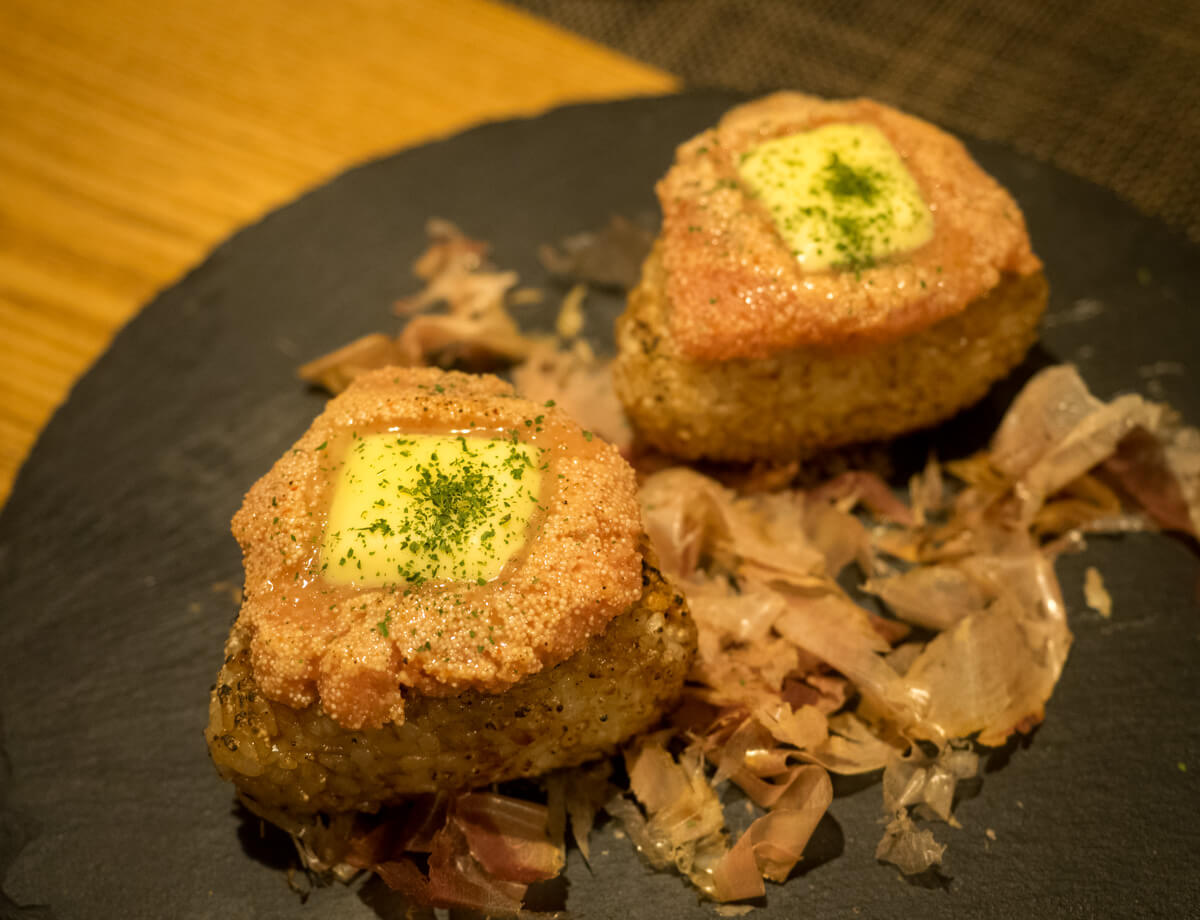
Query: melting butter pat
[[411, 508], [840, 196]]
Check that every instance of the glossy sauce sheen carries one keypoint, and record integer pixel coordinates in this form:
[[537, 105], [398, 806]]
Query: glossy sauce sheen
[[358, 648], [734, 285]]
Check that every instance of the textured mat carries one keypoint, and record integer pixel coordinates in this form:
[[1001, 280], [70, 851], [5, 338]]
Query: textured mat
[[1108, 90]]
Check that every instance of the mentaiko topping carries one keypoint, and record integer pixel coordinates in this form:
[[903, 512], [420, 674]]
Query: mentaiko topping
[[416, 508], [734, 282], [491, 608], [838, 195]]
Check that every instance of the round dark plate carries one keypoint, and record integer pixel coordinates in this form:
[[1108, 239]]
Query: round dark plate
[[118, 529]]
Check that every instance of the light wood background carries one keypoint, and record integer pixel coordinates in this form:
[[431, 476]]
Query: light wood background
[[135, 136]]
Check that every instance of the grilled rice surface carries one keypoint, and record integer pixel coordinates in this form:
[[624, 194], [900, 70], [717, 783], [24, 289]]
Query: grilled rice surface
[[302, 761], [807, 399]]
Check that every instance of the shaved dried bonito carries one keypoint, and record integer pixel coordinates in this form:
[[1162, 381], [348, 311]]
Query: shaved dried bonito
[[798, 676]]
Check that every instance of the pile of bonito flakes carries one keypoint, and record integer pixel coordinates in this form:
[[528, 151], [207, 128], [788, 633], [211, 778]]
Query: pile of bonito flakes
[[799, 672]]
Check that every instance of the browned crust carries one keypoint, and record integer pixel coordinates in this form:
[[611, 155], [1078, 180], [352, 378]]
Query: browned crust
[[734, 289], [618, 684], [799, 401]]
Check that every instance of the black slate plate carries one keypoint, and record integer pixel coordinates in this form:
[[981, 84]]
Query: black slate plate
[[118, 528]]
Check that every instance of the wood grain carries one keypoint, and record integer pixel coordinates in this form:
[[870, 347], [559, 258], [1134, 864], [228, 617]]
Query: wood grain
[[135, 136]]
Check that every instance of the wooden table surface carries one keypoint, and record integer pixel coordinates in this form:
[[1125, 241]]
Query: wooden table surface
[[136, 136]]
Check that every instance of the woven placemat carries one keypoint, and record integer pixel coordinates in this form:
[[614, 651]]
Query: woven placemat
[[1108, 90]]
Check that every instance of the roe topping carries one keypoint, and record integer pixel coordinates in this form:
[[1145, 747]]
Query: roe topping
[[734, 285], [358, 647]]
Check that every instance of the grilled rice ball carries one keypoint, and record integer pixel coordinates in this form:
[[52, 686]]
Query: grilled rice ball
[[446, 587], [617, 685], [827, 273]]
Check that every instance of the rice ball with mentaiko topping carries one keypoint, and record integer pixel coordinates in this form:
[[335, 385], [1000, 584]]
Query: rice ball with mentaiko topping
[[827, 273], [446, 586]]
